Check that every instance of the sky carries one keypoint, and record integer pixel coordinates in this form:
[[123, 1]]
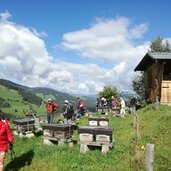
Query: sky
[[78, 46]]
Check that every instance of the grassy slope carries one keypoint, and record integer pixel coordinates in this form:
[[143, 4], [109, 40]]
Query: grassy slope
[[17, 105], [126, 155]]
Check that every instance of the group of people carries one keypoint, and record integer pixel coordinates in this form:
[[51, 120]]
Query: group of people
[[68, 110], [115, 103]]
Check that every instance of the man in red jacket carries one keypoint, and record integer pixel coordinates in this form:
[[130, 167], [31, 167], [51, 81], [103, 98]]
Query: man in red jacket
[[5, 139], [50, 108]]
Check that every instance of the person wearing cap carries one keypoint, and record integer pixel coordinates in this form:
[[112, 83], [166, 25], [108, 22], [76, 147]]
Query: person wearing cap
[[50, 108], [6, 139], [67, 113]]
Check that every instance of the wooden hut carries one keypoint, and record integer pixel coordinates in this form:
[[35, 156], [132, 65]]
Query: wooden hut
[[157, 73]]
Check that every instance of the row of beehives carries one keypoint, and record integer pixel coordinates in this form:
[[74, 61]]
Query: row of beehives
[[97, 131], [94, 121], [29, 124]]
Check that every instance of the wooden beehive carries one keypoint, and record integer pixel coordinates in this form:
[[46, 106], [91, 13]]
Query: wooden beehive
[[103, 110], [59, 131], [24, 125], [103, 122], [84, 138], [94, 121], [103, 134], [103, 139], [86, 134]]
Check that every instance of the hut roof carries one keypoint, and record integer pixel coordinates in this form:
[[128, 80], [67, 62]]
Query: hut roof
[[151, 57]]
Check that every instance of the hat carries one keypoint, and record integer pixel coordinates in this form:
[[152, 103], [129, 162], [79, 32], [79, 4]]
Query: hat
[[49, 100], [66, 101]]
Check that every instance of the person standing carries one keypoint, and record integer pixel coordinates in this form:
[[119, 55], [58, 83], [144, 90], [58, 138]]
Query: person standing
[[50, 108], [115, 102], [68, 112], [79, 107], [122, 104], [6, 139], [133, 103]]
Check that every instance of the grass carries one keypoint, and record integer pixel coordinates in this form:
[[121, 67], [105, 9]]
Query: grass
[[126, 155], [18, 107]]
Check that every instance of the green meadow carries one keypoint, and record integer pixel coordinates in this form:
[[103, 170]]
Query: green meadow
[[126, 154]]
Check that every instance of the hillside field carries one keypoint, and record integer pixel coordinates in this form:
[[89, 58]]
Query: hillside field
[[126, 155], [18, 107]]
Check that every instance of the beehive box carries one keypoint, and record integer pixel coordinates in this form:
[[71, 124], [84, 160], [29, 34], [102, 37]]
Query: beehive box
[[86, 134], [103, 134], [93, 121], [86, 138], [103, 139], [62, 135], [59, 131], [103, 110], [98, 121], [24, 125], [103, 122]]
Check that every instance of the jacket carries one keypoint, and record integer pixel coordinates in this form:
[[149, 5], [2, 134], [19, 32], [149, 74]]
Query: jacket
[[67, 112], [5, 135], [80, 104], [51, 107]]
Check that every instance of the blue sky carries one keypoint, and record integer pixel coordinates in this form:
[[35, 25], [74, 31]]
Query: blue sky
[[85, 44]]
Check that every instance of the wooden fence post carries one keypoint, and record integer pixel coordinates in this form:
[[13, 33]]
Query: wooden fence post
[[136, 127], [157, 102], [149, 158]]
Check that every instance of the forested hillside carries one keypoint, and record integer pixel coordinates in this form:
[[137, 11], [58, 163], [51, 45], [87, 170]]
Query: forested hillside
[[16, 100]]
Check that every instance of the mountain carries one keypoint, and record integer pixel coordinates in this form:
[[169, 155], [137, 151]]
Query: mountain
[[36, 97]]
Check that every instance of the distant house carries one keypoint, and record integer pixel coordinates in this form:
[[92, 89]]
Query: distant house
[[157, 70]]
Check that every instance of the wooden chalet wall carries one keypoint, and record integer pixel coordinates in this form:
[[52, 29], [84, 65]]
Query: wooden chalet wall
[[166, 84], [153, 80]]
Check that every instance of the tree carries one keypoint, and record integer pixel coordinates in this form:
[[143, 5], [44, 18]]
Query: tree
[[108, 92], [158, 45], [138, 85]]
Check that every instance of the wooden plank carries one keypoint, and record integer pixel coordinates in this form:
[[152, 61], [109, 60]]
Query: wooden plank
[[166, 92]]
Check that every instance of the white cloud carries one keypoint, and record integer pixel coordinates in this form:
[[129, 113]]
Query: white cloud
[[25, 59], [5, 16], [111, 42], [106, 40]]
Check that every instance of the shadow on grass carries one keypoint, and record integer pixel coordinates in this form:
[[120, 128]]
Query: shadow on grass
[[21, 161]]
